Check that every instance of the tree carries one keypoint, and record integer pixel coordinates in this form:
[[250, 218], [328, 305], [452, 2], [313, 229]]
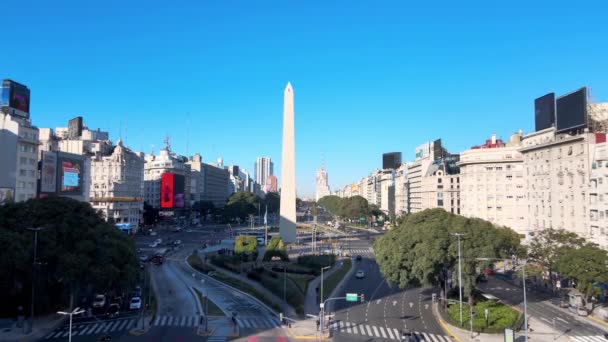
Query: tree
[[204, 208], [276, 247], [547, 244], [76, 250], [150, 214], [586, 265], [422, 249], [273, 201], [245, 245], [332, 204], [353, 207], [241, 204]]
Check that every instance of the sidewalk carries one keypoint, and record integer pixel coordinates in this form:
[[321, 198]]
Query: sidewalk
[[285, 307], [42, 326], [307, 330], [311, 306]]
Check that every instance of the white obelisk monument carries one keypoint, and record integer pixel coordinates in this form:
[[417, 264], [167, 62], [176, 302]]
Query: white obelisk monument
[[287, 223]]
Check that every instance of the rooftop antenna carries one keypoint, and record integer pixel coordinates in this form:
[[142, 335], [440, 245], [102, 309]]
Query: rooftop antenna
[[187, 134], [167, 142], [152, 149]]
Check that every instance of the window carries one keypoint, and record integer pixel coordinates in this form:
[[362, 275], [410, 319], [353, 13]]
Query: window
[[32, 161], [22, 160], [22, 172]]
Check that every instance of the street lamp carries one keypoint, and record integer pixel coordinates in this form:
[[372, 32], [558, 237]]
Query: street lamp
[[524, 284], [458, 235], [322, 306], [76, 311], [35, 230]]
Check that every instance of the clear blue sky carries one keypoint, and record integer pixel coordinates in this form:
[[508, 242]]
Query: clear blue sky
[[369, 77]]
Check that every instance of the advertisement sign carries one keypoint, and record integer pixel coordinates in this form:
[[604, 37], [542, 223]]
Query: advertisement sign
[[7, 195], [75, 128], [48, 172], [571, 111], [423, 151], [166, 190], [544, 111], [16, 98], [71, 172]]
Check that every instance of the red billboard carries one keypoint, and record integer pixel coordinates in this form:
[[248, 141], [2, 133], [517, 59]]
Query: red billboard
[[167, 186]]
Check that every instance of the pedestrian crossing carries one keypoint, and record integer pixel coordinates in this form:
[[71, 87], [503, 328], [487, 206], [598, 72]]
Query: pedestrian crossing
[[91, 328], [383, 332], [360, 251], [176, 321], [596, 338], [255, 322]]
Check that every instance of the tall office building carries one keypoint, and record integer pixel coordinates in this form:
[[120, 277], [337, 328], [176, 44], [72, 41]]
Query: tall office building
[[322, 184], [263, 168]]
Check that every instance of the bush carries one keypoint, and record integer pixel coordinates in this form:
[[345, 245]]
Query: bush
[[315, 262], [195, 261], [276, 248], [253, 275]]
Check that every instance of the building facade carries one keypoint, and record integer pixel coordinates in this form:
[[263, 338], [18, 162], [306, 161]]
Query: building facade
[[322, 188], [117, 182], [264, 167], [216, 184], [155, 166], [492, 183], [598, 194]]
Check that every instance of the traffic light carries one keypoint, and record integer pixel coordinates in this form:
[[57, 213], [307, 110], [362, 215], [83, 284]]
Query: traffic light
[[362, 297]]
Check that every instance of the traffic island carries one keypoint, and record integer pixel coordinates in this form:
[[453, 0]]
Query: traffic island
[[139, 330], [200, 331]]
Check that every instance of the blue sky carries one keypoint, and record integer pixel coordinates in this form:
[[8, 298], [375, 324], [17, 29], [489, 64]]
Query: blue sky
[[368, 77]]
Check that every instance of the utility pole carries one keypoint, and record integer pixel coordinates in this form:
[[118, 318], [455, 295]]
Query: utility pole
[[284, 283], [35, 230], [525, 302], [458, 235], [322, 320]]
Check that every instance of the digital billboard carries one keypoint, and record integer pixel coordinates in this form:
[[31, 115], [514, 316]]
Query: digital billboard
[[70, 175], [571, 111], [391, 160], [48, 172], [423, 151], [544, 111], [172, 191], [15, 98]]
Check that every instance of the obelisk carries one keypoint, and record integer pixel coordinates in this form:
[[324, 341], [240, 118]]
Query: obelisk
[[287, 223]]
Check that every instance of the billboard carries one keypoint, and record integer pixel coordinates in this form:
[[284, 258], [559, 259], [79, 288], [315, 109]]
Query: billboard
[[544, 111], [423, 151], [75, 127], [48, 172], [70, 175], [391, 160], [172, 191], [15, 98], [7, 195], [571, 111]]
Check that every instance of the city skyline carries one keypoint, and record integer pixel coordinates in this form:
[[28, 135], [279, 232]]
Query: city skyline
[[404, 68]]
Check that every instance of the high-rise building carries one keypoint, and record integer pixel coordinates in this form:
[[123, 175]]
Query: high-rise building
[[263, 168], [287, 224], [156, 166], [117, 182], [18, 144], [216, 185], [196, 177], [492, 186], [598, 193], [322, 189], [272, 184]]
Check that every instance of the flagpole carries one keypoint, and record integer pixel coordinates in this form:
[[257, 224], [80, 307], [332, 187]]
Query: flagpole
[[266, 226]]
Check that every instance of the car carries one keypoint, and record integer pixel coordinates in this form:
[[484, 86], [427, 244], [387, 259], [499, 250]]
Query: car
[[360, 274], [137, 291], [153, 233], [113, 310], [158, 241], [135, 303], [99, 301], [143, 258], [358, 258], [153, 244], [177, 242], [142, 265], [406, 336]]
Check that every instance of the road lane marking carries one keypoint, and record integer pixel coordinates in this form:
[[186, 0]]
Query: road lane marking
[[411, 305], [378, 301], [369, 330], [390, 333], [394, 302], [376, 331], [382, 332], [99, 328], [348, 328]]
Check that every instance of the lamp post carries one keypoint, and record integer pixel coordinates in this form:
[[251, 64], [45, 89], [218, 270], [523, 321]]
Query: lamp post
[[35, 230], [458, 235], [76, 311], [322, 320]]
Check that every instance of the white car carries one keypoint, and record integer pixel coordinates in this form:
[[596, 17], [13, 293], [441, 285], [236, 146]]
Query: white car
[[177, 242], [158, 241], [153, 233], [99, 301], [135, 303], [153, 244], [360, 274]]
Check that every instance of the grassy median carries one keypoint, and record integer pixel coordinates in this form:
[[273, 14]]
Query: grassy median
[[330, 283], [500, 316], [212, 309]]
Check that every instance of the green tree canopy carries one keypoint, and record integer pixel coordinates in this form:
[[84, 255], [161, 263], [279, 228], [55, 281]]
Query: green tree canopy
[[422, 249], [273, 201], [547, 245], [241, 204], [76, 249], [353, 207], [204, 207], [585, 265], [332, 204]]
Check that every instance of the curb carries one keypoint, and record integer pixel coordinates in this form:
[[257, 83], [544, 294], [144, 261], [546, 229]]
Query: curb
[[307, 337], [597, 320], [444, 325], [205, 333]]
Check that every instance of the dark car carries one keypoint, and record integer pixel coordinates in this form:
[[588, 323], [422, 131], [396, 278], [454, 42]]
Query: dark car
[[406, 336], [113, 310], [358, 258]]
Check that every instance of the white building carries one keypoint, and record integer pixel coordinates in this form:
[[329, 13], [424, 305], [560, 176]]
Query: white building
[[117, 186], [492, 183], [155, 166], [18, 158], [401, 189], [598, 194], [322, 188], [387, 191]]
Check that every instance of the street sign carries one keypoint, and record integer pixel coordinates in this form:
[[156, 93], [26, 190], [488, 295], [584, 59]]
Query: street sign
[[322, 305], [351, 297], [509, 335]]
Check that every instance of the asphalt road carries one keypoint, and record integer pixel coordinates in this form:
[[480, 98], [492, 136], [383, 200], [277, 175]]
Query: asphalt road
[[386, 310], [540, 308]]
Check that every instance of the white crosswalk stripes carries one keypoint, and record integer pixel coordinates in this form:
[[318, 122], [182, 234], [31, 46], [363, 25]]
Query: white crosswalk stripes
[[256, 322], [596, 338], [390, 333], [92, 328]]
